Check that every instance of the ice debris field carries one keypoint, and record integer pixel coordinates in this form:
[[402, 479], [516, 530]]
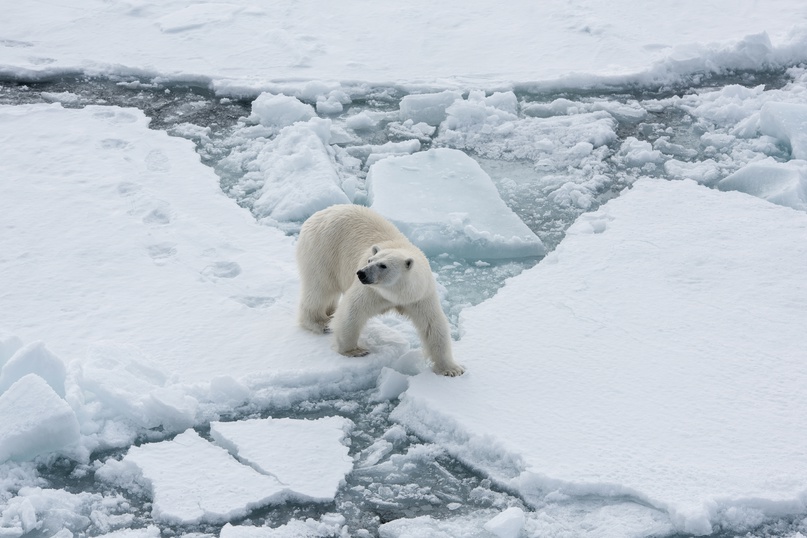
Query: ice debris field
[[613, 201]]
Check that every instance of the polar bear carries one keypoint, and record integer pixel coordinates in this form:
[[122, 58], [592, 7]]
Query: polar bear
[[352, 250]]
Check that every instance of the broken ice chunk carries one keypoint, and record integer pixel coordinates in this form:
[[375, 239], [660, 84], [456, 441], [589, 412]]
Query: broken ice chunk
[[35, 420], [508, 524], [443, 201], [780, 183], [34, 358]]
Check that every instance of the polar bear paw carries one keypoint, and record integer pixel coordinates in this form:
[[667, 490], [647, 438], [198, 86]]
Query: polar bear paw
[[355, 352], [452, 370], [316, 326]]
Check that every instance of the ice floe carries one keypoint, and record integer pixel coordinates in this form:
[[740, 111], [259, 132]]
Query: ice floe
[[192, 480], [652, 354]]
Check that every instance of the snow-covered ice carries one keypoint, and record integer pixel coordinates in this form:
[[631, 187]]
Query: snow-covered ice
[[652, 354], [445, 203], [307, 456], [242, 46]]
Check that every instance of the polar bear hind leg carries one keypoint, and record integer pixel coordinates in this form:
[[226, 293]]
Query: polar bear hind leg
[[316, 308]]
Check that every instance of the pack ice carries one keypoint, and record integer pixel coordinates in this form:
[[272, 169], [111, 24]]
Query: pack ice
[[657, 353]]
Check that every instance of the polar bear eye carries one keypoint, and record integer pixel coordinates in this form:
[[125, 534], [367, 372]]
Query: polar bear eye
[[382, 266]]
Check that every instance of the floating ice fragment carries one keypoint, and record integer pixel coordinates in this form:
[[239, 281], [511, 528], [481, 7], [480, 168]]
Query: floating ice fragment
[[307, 456], [280, 110], [194, 481], [444, 202], [705, 172], [329, 105], [428, 107], [299, 175], [329, 525], [508, 524], [361, 121], [152, 531], [35, 420], [390, 385], [780, 183]]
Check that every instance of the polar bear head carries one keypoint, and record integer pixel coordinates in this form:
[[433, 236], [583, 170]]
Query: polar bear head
[[385, 267]]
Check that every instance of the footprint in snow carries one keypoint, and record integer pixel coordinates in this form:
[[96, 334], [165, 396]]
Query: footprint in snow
[[222, 270], [161, 252]]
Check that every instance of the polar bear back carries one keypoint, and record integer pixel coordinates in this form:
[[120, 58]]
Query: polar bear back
[[339, 238]]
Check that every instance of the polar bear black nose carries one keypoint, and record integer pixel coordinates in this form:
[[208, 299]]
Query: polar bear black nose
[[362, 276]]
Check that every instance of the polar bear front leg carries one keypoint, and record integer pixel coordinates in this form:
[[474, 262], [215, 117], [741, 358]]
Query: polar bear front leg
[[435, 335], [357, 306]]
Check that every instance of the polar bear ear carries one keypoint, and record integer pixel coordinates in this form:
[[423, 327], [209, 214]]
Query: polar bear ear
[[408, 263], [374, 249]]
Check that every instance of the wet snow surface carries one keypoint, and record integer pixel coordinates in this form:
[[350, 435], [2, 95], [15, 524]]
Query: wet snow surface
[[644, 378]]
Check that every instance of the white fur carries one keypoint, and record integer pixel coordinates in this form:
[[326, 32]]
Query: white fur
[[338, 243]]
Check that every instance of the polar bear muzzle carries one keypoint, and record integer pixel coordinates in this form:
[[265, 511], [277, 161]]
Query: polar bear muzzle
[[371, 274]]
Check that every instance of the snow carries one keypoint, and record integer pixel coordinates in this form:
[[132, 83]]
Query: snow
[[193, 481], [35, 421], [445, 203], [307, 456], [653, 354]]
